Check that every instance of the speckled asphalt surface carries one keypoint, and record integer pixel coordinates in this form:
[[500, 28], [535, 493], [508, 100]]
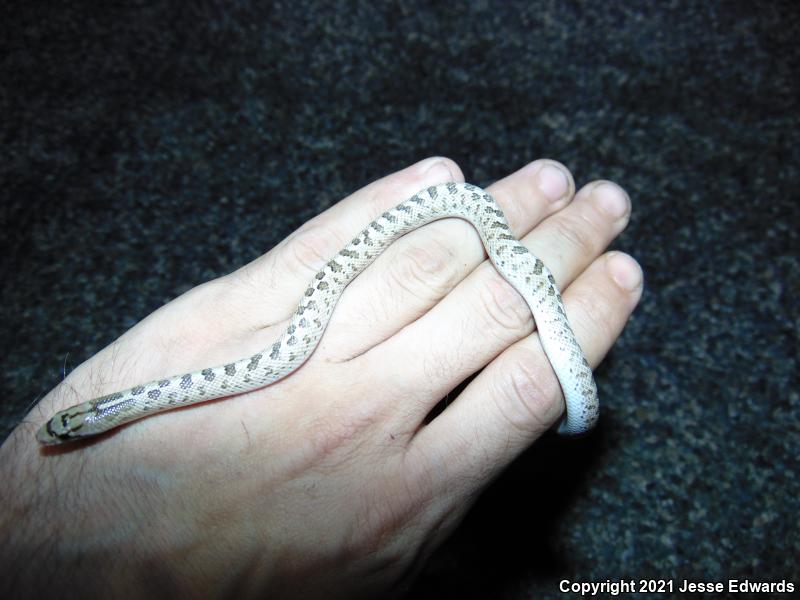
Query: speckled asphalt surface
[[148, 149]]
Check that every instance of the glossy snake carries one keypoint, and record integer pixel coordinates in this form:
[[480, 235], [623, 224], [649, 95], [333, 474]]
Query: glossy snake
[[517, 265]]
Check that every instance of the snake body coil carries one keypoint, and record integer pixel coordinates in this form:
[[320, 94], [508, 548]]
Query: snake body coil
[[517, 265]]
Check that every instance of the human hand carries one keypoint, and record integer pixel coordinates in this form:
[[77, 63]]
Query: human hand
[[329, 482]]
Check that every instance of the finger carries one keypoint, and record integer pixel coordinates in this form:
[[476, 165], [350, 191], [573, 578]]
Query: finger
[[517, 397], [269, 288], [423, 266], [484, 315]]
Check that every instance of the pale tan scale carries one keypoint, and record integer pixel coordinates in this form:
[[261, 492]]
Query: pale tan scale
[[515, 263]]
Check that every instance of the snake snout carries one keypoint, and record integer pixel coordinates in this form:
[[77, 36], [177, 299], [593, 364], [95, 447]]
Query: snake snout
[[46, 435], [62, 427]]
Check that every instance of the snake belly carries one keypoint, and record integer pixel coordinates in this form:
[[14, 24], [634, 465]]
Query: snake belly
[[516, 264]]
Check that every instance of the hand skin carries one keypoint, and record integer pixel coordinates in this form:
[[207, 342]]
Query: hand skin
[[329, 483]]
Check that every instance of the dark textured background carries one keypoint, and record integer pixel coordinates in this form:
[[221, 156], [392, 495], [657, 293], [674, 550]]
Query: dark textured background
[[152, 147]]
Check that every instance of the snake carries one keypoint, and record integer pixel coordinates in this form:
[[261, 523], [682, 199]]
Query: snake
[[518, 266]]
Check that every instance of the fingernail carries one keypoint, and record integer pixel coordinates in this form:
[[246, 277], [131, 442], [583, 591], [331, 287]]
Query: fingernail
[[624, 270], [552, 182], [611, 198], [438, 172]]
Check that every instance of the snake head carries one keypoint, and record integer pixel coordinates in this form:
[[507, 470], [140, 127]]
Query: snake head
[[64, 426]]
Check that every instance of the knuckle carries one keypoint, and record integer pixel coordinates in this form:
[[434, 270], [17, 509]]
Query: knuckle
[[579, 233], [593, 307], [529, 395], [393, 187], [425, 271], [334, 442], [503, 310], [310, 248]]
